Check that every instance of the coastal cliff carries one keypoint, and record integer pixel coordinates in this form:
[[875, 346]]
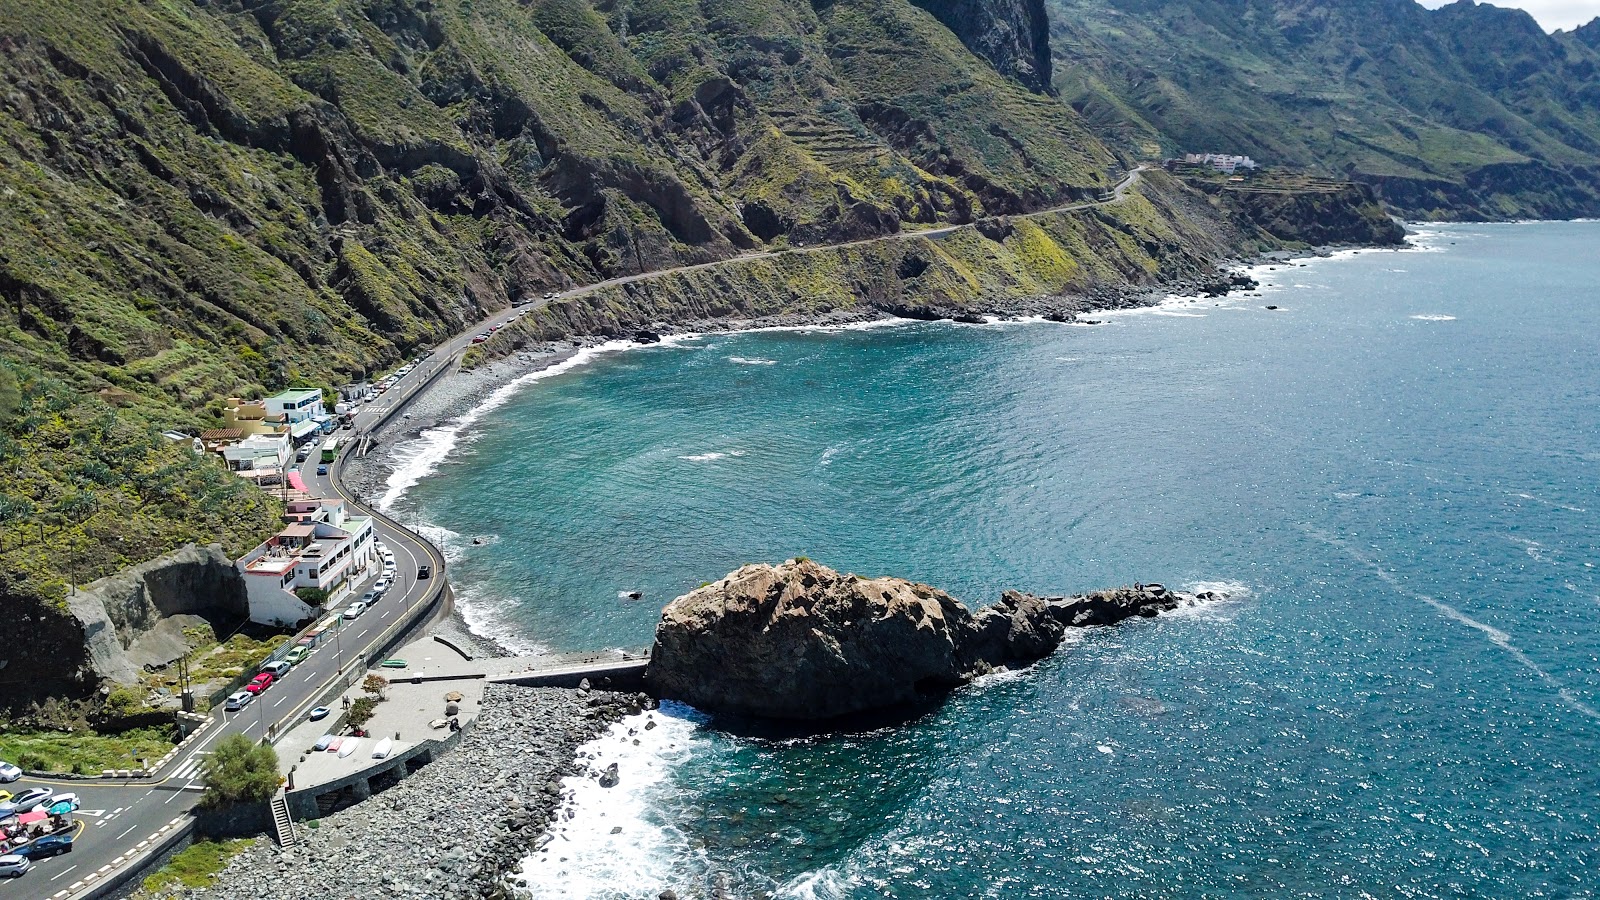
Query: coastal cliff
[[801, 641], [109, 630]]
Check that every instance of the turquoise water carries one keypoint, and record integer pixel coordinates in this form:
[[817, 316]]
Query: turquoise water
[[1397, 473]]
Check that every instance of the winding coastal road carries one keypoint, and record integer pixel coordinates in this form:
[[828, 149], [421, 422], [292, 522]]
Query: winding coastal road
[[119, 814], [1118, 194]]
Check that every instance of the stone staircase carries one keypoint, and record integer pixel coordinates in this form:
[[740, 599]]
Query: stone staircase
[[282, 825]]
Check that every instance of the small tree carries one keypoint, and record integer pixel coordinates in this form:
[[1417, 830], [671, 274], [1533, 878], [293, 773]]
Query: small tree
[[361, 711], [239, 771], [377, 685], [312, 595]]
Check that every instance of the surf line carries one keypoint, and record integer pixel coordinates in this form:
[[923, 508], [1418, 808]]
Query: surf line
[[1496, 636]]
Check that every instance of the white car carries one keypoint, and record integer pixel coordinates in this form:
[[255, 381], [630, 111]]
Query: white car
[[382, 585], [355, 609], [68, 797], [238, 700], [9, 772], [14, 866]]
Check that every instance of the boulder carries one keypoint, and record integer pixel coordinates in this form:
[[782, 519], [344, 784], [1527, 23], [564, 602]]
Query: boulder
[[800, 641]]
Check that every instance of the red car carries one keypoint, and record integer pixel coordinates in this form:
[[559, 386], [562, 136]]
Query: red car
[[259, 683]]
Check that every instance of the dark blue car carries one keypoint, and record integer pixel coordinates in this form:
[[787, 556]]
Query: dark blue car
[[322, 470], [49, 845]]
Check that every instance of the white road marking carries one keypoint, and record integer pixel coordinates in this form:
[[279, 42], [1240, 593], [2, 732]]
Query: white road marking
[[63, 872], [125, 833]]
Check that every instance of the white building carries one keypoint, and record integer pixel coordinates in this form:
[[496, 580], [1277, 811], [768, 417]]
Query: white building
[[321, 547], [296, 405], [259, 456]]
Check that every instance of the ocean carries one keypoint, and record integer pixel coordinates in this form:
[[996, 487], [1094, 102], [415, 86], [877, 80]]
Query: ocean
[[1395, 474]]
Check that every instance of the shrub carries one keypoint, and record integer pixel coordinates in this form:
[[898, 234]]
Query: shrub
[[311, 595], [361, 711], [239, 771]]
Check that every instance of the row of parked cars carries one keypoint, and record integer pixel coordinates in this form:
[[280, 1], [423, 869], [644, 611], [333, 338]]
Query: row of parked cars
[[276, 669], [35, 798]]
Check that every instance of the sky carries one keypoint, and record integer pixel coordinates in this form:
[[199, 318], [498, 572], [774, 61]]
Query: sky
[[1552, 14]]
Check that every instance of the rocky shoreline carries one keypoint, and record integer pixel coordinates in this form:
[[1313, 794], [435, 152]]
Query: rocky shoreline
[[459, 827]]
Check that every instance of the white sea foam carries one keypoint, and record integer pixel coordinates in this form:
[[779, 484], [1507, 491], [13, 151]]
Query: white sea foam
[[828, 455], [582, 858], [420, 458], [752, 361], [704, 457], [1433, 317], [1495, 636]]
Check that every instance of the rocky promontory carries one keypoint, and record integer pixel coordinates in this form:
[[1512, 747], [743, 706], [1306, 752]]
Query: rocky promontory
[[801, 641]]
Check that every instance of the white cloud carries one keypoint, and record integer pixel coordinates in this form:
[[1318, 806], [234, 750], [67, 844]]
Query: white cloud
[[1552, 14]]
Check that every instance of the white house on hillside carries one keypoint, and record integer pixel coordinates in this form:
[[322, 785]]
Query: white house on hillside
[[321, 547]]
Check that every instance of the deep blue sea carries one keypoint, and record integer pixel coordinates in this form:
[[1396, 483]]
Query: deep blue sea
[[1397, 473]]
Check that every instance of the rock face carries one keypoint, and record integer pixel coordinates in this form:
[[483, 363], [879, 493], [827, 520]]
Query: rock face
[[110, 630], [802, 641], [1013, 35], [129, 618]]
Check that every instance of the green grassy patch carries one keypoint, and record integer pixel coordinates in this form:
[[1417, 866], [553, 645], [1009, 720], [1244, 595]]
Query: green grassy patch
[[83, 752], [195, 866]]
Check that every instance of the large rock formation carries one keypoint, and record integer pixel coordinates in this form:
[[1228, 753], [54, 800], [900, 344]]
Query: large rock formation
[[56, 663], [135, 617], [801, 641]]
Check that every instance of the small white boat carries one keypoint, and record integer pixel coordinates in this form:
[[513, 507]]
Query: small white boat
[[383, 748], [348, 747]]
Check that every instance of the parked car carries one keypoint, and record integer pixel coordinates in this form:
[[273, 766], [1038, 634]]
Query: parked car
[[355, 609], [319, 713], [238, 700], [480, 338], [369, 598], [49, 845], [278, 668], [68, 797], [259, 683], [14, 866], [424, 572], [297, 655], [382, 585], [5, 796], [9, 772], [30, 798]]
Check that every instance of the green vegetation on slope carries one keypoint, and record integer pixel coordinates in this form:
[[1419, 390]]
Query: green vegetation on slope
[[90, 489], [1465, 111], [84, 752]]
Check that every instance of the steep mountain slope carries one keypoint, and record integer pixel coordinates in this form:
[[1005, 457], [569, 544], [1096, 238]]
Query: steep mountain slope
[[205, 197], [1465, 111]]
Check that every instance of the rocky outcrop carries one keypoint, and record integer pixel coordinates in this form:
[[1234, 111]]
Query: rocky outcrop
[[801, 641], [1013, 35], [58, 658], [133, 618]]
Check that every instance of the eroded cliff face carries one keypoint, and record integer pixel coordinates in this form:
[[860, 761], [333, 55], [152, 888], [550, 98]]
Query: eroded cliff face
[[57, 660], [800, 641], [1161, 234], [1013, 35]]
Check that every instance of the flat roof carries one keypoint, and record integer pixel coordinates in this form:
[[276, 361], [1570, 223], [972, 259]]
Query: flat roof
[[298, 531]]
